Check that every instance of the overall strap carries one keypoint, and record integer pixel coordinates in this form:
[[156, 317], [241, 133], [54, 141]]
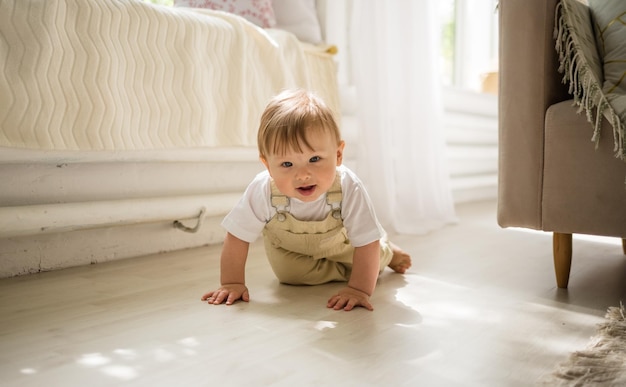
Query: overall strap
[[334, 197], [279, 201]]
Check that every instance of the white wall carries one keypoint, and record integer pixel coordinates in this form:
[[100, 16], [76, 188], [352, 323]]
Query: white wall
[[471, 130]]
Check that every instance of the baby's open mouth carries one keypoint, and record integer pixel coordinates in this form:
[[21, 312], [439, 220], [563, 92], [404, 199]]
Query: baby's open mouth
[[306, 190]]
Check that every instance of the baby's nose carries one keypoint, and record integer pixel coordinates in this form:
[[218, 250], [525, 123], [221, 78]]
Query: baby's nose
[[303, 174]]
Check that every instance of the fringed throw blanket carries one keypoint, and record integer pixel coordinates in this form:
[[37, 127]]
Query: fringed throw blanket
[[591, 42], [603, 363]]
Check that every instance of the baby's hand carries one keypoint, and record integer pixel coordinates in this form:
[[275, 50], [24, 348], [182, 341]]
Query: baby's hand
[[228, 293], [348, 298]]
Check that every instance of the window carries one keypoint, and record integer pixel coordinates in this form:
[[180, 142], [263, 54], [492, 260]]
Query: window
[[469, 46]]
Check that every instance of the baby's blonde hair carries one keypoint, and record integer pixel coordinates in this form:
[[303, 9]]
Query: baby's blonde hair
[[288, 117]]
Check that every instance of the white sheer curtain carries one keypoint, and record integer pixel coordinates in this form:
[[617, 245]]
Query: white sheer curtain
[[401, 159]]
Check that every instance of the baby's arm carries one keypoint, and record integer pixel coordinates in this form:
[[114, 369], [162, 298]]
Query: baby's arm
[[365, 269], [232, 268]]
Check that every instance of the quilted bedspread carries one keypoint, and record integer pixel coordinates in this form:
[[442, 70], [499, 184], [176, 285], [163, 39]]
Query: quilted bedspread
[[127, 75]]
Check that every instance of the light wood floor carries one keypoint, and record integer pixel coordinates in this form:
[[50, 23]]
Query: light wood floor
[[478, 308]]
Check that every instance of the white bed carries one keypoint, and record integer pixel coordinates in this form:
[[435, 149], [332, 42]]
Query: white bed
[[119, 117]]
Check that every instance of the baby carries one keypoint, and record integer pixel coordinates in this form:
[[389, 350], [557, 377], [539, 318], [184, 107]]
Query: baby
[[316, 218]]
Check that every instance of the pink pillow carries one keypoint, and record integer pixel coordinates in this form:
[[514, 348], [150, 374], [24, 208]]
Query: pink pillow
[[259, 12]]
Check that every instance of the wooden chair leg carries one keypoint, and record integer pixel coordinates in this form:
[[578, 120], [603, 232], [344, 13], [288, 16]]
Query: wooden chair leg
[[562, 251]]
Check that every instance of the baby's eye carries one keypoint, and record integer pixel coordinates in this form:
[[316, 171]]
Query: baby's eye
[[286, 164], [314, 159]]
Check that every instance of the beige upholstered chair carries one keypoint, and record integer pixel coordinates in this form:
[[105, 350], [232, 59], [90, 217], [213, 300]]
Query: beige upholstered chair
[[551, 177]]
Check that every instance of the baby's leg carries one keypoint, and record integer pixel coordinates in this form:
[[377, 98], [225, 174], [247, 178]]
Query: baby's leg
[[400, 260]]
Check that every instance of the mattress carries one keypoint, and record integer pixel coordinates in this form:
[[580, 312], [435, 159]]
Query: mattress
[[125, 75]]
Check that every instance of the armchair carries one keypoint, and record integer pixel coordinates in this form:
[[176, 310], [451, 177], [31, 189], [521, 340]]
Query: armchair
[[551, 177]]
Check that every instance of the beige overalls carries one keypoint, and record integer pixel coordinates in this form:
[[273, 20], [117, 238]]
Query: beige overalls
[[312, 252]]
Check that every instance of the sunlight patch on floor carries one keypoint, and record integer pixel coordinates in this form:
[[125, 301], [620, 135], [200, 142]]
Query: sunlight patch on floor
[[410, 294], [321, 325], [93, 360], [121, 372], [122, 363], [584, 237], [599, 239], [188, 344]]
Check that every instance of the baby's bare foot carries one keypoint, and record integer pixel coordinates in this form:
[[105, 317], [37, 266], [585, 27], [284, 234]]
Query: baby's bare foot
[[400, 261]]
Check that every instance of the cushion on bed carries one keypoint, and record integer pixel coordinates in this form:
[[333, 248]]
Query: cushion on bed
[[300, 18], [259, 12]]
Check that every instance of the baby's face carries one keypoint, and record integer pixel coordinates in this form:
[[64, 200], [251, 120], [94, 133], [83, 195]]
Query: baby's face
[[308, 174]]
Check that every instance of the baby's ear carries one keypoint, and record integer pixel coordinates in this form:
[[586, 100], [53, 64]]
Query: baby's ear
[[342, 144], [264, 161]]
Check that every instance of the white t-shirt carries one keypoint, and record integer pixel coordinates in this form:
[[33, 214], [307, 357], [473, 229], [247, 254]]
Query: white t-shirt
[[248, 218]]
